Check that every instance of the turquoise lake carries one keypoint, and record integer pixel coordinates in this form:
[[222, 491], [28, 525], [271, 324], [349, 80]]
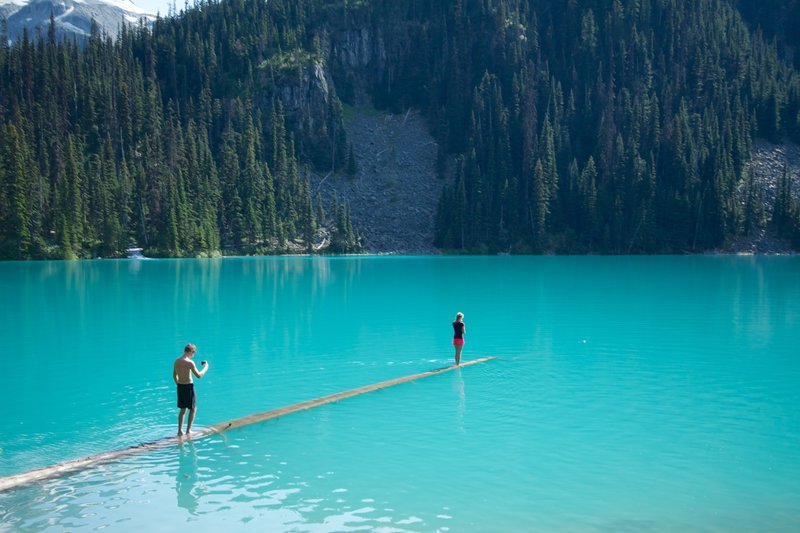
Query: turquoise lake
[[655, 394]]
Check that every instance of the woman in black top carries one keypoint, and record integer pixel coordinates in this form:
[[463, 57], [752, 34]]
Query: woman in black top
[[459, 328]]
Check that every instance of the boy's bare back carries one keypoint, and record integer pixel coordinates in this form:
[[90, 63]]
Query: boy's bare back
[[184, 367], [183, 370]]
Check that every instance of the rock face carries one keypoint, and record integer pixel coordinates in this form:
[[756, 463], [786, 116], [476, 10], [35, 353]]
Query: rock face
[[393, 196], [375, 64], [73, 18], [306, 93], [360, 67], [359, 59]]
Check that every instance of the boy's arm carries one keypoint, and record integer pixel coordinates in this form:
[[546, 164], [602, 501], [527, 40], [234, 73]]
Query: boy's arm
[[199, 373], [175, 372]]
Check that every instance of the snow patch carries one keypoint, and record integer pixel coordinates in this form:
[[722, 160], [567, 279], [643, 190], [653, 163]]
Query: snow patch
[[73, 28], [126, 5], [69, 10]]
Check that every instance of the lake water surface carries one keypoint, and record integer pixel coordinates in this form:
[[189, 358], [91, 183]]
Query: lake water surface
[[629, 393]]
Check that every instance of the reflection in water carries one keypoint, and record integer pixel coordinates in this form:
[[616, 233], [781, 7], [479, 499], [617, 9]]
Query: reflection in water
[[186, 477], [462, 404]]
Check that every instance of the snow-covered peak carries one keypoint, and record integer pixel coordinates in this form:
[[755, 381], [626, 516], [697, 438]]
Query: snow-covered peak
[[124, 5], [71, 17]]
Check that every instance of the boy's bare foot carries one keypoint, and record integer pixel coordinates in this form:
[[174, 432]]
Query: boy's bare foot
[[180, 433]]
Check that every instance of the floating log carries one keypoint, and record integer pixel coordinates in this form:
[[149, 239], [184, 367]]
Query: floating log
[[68, 467]]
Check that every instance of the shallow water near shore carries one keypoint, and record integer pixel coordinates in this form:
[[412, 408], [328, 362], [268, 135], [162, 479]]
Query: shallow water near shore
[[629, 393]]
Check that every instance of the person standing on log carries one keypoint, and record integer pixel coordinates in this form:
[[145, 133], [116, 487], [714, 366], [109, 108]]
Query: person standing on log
[[182, 372], [459, 329]]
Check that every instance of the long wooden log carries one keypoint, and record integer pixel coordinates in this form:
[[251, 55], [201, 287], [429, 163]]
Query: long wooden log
[[67, 467]]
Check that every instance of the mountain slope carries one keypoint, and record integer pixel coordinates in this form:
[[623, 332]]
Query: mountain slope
[[591, 126], [616, 126], [8, 7], [72, 18]]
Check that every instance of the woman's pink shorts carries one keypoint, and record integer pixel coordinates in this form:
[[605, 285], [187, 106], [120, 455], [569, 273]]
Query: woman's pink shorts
[[458, 342]]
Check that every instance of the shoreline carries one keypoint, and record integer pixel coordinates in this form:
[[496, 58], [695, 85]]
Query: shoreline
[[730, 253]]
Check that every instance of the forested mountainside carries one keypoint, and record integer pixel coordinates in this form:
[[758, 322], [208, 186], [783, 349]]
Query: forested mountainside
[[173, 138], [618, 126], [775, 19]]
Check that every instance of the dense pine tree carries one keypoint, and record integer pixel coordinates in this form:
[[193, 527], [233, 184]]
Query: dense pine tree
[[659, 100], [159, 138], [620, 126]]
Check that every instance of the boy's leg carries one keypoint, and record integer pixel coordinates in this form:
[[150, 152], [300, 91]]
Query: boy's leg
[[180, 420], [192, 412]]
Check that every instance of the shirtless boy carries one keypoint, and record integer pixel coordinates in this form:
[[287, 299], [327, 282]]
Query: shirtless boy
[[182, 372]]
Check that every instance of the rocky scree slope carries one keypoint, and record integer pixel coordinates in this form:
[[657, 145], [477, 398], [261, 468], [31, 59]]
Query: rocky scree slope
[[394, 194]]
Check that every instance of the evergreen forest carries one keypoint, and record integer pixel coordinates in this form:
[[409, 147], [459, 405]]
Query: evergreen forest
[[568, 126]]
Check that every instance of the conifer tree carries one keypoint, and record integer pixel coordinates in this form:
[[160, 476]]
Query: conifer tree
[[16, 223], [622, 125]]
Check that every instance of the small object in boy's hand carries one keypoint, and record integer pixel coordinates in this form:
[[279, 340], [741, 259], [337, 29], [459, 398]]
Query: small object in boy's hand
[[203, 363]]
